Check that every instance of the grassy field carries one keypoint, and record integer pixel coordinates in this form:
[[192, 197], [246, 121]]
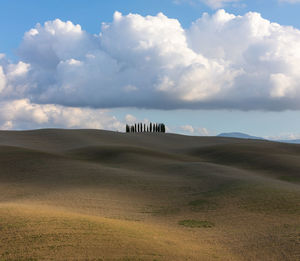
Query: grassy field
[[99, 195]]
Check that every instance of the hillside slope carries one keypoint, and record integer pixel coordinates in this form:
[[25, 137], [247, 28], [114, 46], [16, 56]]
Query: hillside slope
[[99, 195]]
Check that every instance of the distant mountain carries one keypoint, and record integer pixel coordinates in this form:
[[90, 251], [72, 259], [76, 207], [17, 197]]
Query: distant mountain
[[290, 141], [239, 135]]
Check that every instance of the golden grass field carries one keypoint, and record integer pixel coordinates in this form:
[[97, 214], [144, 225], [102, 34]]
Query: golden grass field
[[99, 195]]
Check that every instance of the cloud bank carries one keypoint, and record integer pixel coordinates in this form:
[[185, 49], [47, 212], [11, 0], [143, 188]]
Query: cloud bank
[[191, 130], [21, 114], [222, 61]]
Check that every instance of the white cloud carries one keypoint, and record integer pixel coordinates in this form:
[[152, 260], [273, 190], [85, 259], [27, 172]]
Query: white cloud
[[17, 70], [284, 136], [188, 128], [221, 61], [21, 114], [203, 131], [130, 119], [199, 131], [267, 54], [2, 79]]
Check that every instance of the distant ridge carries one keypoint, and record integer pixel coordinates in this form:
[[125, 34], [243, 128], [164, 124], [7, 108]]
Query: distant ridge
[[239, 135], [290, 141]]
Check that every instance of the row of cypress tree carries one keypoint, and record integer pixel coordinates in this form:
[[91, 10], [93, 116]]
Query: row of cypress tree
[[140, 127]]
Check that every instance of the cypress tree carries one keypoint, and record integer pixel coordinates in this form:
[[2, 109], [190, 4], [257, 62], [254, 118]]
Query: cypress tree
[[135, 128], [150, 126], [127, 128]]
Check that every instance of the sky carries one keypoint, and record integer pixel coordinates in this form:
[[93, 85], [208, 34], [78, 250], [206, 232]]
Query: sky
[[202, 67]]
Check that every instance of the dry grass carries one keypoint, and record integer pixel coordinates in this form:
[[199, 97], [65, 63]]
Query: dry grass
[[96, 195]]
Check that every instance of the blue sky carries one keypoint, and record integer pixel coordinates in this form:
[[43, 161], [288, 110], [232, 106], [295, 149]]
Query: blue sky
[[18, 17]]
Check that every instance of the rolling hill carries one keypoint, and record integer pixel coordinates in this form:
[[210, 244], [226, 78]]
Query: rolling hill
[[100, 195]]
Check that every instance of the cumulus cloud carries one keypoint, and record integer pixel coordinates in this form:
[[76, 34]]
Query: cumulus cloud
[[2, 79], [191, 130], [21, 114], [266, 53], [130, 119], [222, 61], [284, 136], [188, 128]]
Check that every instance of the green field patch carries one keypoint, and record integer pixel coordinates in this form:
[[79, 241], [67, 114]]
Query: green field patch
[[196, 223], [161, 211], [202, 205], [290, 179]]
